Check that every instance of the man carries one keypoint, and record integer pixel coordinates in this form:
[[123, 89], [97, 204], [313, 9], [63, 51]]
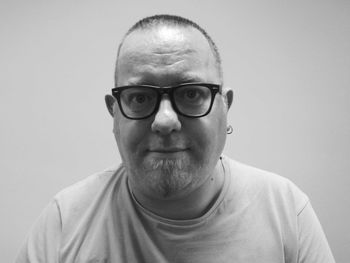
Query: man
[[175, 197]]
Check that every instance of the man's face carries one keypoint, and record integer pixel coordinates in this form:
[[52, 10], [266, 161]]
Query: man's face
[[168, 156]]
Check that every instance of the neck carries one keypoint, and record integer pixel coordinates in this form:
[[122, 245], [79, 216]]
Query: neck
[[191, 206]]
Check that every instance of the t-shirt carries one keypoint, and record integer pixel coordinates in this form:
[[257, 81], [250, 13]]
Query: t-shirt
[[258, 217]]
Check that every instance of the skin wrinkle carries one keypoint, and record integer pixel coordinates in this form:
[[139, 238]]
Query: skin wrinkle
[[143, 80], [149, 42], [166, 59], [172, 51], [150, 67]]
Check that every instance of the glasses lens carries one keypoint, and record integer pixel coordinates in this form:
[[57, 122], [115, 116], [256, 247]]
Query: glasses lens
[[138, 102], [193, 100]]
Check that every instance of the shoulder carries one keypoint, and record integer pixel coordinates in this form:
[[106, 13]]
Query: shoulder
[[76, 198], [267, 186], [89, 185]]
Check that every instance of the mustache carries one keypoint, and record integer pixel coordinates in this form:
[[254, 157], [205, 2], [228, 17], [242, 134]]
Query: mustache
[[158, 143]]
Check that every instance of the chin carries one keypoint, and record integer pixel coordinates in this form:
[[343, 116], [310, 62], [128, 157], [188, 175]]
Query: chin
[[167, 177]]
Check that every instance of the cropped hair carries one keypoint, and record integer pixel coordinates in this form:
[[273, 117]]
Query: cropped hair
[[171, 20]]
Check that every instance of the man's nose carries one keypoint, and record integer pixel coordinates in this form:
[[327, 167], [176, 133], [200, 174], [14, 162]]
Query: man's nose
[[166, 119]]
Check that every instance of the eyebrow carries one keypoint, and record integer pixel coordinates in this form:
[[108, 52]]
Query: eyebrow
[[186, 78], [189, 79]]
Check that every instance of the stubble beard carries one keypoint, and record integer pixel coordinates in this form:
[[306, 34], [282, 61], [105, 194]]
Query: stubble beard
[[167, 177]]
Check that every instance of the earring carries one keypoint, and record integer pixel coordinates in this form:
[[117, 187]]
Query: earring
[[229, 129]]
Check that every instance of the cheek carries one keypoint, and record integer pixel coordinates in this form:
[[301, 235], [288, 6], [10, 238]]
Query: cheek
[[129, 135], [208, 136], [212, 132]]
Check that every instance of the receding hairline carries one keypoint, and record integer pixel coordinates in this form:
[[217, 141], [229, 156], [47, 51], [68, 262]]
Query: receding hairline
[[157, 21]]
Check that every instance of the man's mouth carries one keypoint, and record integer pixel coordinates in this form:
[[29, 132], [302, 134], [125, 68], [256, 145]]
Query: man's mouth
[[168, 150]]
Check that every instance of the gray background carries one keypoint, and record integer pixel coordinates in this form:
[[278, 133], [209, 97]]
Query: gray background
[[288, 62]]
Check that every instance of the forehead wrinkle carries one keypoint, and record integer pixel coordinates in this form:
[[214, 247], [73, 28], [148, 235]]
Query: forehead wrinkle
[[157, 55], [158, 60], [167, 43], [170, 56], [172, 69]]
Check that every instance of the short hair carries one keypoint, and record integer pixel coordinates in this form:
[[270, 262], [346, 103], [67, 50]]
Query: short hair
[[170, 20]]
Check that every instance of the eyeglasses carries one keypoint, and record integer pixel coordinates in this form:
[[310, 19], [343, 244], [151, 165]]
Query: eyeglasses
[[193, 100]]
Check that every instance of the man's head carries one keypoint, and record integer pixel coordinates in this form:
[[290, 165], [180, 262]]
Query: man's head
[[168, 155]]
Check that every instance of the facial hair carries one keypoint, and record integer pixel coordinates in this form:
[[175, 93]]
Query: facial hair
[[168, 176]]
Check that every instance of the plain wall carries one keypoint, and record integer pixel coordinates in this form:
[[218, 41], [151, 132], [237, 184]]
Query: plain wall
[[288, 62]]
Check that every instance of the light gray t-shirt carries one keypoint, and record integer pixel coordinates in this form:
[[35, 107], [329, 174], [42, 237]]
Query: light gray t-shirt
[[258, 217]]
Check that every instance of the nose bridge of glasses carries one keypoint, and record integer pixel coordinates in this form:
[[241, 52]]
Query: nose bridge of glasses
[[166, 118], [167, 92], [165, 100]]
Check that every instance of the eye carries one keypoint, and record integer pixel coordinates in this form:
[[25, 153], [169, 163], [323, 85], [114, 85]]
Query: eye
[[191, 94], [139, 98]]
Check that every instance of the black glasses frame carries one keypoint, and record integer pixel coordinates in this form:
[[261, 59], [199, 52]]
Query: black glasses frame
[[214, 88]]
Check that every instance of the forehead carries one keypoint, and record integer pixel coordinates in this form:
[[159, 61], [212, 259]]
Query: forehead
[[166, 51]]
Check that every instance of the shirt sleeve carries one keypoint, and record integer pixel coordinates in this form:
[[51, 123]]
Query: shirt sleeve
[[313, 245], [42, 242]]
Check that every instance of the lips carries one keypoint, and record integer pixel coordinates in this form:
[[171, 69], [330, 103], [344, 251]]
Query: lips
[[168, 149], [167, 145]]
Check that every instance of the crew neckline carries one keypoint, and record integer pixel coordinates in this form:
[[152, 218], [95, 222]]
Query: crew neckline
[[194, 221]]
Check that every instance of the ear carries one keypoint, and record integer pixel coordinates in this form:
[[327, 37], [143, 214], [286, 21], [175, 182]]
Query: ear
[[110, 100], [227, 92]]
